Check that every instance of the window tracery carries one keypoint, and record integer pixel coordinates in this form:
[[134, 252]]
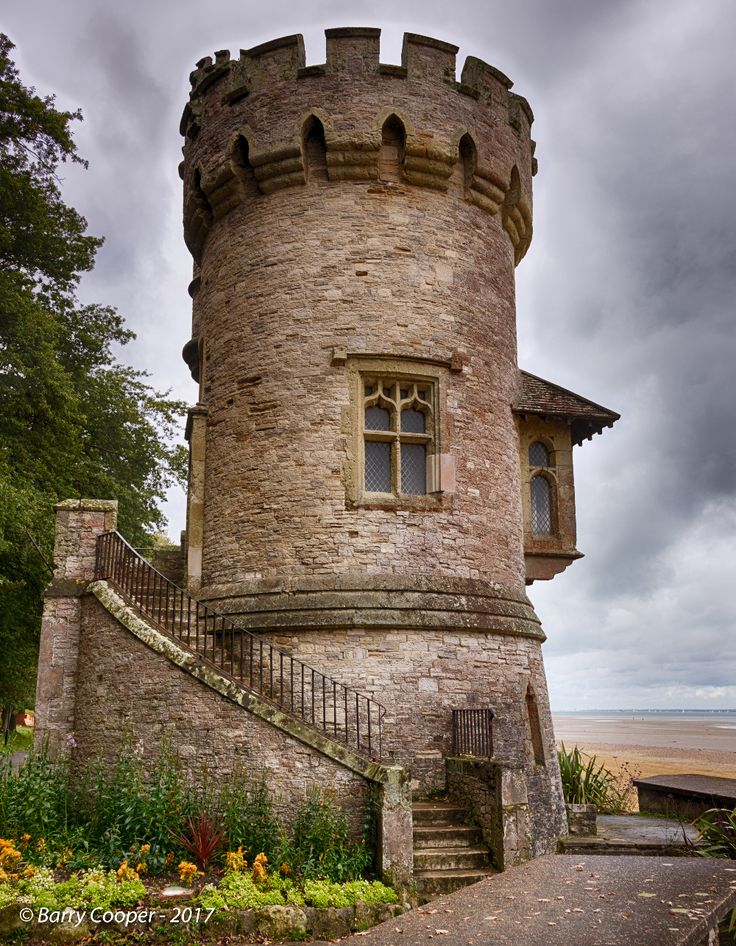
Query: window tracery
[[541, 487], [398, 435]]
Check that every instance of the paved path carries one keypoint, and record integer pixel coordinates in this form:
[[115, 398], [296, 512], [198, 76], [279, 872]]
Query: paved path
[[642, 828], [562, 900]]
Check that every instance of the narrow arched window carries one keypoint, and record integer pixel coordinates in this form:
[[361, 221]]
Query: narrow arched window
[[391, 155], [200, 196], [538, 455], [541, 505], [468, 160], [242, 162], [315, 149], [535, 727], [512, 195]]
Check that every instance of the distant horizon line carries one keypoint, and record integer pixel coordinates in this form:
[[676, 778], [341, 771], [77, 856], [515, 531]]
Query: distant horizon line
[[638, 709]]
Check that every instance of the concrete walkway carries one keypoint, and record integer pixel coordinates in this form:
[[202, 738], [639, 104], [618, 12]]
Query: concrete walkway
[[587, 901], [644, 828], [634, 834]]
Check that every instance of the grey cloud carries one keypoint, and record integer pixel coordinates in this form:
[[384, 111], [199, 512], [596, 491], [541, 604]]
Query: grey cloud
[[626, 295]]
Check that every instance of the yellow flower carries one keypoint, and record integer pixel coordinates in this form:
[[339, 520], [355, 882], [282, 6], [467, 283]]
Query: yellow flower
[[8, 855], [285, 869], [236, 861], [41, 846], [3, 876], [169, 859], [188, 872], [145, 848], [126, 873], [259, 873], [141, 868]]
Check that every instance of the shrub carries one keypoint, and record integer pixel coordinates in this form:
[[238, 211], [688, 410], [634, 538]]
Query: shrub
[[36, 799], [717, 833], [585, 781], [129, 811], [238, 892], [320, 846], [248, 818], [95, 888], [202, 838]]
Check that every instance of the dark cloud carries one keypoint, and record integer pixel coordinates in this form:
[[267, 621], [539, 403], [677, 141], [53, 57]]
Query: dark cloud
[[627, 295]]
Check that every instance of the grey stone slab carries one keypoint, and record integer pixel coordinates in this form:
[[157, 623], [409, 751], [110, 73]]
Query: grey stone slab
[[571, 901], [642, 828], [706, 785]]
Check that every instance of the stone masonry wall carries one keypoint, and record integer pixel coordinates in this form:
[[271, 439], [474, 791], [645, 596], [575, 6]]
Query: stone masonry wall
[[421, 678], [123, 686], [358, 252], [78, 523], [419, 268]]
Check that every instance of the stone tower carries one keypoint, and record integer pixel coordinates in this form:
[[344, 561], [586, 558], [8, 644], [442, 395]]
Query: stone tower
[[356, 490]]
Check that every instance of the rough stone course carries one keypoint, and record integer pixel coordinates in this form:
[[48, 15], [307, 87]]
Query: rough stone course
[[124, 687]]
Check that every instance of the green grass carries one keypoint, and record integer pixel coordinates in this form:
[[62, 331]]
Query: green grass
[[19, 740]]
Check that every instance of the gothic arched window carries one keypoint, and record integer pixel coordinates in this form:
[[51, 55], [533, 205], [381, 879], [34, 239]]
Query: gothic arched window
[[398, 435], [541, 489], [541, 505]]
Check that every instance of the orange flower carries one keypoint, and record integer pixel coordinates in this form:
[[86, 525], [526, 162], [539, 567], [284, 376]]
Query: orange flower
[[188, 872], [124, 872], [260, 874]]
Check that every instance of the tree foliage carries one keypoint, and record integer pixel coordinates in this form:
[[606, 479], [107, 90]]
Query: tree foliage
[[73, 420]]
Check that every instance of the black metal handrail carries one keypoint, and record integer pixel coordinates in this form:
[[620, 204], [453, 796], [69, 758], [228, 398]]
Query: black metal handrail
[[472, 732], [285, 681]]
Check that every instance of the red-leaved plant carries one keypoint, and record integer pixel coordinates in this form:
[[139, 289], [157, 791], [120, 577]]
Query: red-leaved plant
[[201, 837]]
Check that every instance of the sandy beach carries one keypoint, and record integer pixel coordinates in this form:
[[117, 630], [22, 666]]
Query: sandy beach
[[654, 744]]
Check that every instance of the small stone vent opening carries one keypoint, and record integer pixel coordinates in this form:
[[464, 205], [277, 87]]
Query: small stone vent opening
[[315, 150], [391, 155]]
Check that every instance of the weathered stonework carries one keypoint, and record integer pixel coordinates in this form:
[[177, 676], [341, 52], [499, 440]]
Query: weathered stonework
[[355, 226], [355, 220], [496, 794], [78, 523]]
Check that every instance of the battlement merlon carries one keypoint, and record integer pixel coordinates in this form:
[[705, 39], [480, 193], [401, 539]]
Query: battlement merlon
[[264, 100], [350, 51]]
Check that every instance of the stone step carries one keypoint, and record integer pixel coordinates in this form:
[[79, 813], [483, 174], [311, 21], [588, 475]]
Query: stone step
[[451, 858], [434, 883], [427, 813], [439, 835]]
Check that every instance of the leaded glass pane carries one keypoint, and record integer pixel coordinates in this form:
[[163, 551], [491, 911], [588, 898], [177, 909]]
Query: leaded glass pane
[[413, 469], [377, 467], [412, 421], [541, 506], [377, 418], [538, 454]]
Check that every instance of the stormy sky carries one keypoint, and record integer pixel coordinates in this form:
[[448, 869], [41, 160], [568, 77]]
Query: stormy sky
[[626, 296]]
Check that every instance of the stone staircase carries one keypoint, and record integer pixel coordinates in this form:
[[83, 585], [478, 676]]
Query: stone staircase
[[344, 716], [448, 851]]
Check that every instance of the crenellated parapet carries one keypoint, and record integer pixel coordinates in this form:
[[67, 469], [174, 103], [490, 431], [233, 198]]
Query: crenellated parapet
[[266, 121]]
